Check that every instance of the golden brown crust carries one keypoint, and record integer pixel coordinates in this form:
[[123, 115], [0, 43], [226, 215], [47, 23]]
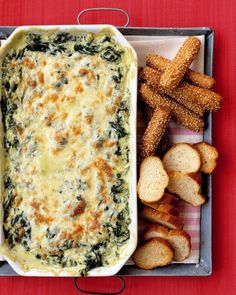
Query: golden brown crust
[[163, 207], [177, 68], [178, 112], [180, 253], [163, 249], [194, 98], [154, 132], [160, 63], [154, 216], [152, 77], [169, 199], [209, 156], [177, 185]]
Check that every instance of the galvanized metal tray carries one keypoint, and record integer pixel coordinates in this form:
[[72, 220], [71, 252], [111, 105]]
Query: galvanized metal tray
[[204, 267]]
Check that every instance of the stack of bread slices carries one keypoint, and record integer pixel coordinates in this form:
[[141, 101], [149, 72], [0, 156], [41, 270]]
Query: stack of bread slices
[[161, 184]]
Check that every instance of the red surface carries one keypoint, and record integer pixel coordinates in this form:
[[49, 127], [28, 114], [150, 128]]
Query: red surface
[[219, 15]]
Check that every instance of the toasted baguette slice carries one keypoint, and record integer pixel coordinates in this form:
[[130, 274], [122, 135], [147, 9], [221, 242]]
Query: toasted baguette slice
[[153, 253], [209, 156], [163, 207], [169, 199], [153, 180], [179, 240], [162, 218], [187, 187], [182, 157]]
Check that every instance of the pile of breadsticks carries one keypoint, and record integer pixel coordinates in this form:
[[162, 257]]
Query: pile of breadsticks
[[170, 90]]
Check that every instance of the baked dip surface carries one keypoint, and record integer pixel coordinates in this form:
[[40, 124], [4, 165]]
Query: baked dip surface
[[66, 162]]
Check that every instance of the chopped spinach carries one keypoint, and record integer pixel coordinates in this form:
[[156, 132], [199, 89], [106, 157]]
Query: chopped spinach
[[64, 37], [117, 78], [86, 49], [110, 54]]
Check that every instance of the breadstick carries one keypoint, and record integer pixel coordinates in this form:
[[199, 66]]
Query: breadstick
[[178, 67], [195, 98], [154, 132], [149, 112], [160, 63], [164, 144], [178, 113]]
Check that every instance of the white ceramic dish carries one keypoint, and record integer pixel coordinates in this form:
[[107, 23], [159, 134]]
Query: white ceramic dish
[[131, 245]]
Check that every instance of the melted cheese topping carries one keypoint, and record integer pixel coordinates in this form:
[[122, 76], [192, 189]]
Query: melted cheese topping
[[66, 166]]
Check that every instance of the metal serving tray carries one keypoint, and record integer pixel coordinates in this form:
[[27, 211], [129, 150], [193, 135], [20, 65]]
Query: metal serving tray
[[204, 267]]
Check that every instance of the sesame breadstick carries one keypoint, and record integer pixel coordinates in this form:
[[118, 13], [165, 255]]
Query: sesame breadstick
[[195, 98], [149, 112], [160, 63], [178, 112], [164, 144], [154, 132], [178, 67]]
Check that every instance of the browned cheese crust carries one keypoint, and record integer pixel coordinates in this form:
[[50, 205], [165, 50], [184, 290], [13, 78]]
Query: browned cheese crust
[[178, 67], [160, 63], [178, 112]]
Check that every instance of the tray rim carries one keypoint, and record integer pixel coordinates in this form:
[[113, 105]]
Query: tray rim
[[204, 267]]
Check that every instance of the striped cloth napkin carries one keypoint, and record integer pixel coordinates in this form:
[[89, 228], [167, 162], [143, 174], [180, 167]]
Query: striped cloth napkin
[[168, 47]]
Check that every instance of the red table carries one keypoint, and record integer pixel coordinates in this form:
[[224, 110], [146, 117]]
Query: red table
[[219, 15]]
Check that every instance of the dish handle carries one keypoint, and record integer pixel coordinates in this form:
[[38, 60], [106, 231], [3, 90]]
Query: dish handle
[[84, 11], [121, 289]]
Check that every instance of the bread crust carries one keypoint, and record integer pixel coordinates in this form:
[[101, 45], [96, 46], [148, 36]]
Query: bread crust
[[199, 199], [207, 165], [141, 256], [166, 219], [168, 234], [163, 207]]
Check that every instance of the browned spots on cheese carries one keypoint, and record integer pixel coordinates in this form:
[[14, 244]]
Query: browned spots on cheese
[[39, 218], [95, 222], [76, 130], [51, 98], [50, 119], [79, 209], [31, 83], [34, 204], [28, 63], [79, 88], [109, 143], [60, 138], [103, 167], [40, 77], [56, 65], [89, 119], [64, 116], [44, 62], [83, 72], [103, 192], [84, 170], [109, 92], [110, 110]]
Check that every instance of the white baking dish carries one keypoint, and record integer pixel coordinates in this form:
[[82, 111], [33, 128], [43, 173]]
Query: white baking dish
[[131, 245]]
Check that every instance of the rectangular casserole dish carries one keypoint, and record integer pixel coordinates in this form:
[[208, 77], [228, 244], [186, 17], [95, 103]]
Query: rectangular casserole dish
[[46, 164]]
